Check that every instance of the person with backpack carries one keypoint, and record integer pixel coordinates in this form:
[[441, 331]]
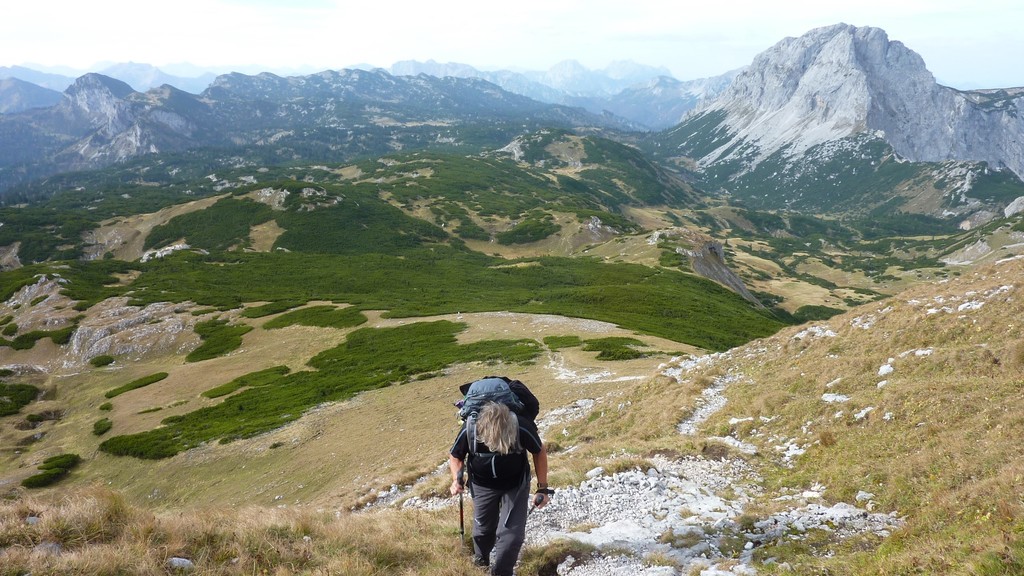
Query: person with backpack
[[492, 445]]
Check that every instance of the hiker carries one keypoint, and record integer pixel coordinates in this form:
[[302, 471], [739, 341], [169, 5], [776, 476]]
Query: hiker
[[494, 444]]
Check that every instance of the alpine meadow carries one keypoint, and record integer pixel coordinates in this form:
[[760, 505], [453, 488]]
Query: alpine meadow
[[773, 318]]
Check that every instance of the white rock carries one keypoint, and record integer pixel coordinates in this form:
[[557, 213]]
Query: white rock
[[863, 413], [176, 563]]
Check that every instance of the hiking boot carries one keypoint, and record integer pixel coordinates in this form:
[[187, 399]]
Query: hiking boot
[[481, 561]]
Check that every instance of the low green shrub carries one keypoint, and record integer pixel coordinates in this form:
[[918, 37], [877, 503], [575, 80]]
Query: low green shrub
[[67, 461], [52, 470], [101, 360], [10, 329], [218, 337], [102, 426], [558, 342], [106, 406], [271, 308], [537, 226], [45, 478], [370, 358], [616, 348], [321, 316], [134, 384], [811, 313], [252, 380], [13, 397], [28, 340]]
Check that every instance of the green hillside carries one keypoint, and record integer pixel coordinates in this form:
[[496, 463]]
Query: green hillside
[[224, 331], [859, 176], [387, 236]]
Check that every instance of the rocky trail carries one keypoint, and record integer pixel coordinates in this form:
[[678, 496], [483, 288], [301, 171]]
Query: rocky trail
[[677, 516]]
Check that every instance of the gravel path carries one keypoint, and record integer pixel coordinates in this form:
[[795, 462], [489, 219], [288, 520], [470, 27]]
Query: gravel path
[[676, 516]]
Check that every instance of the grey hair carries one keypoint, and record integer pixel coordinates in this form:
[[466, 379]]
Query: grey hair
[[498, 428]]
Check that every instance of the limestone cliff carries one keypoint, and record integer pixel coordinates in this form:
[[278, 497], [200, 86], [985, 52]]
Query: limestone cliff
[[841, 80]]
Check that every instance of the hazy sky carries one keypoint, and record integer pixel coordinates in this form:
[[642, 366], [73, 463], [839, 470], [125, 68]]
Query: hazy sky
[[965, 44]]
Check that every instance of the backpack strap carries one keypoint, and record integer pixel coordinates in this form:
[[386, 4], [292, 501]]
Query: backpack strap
[[471, 443], [471, 433]]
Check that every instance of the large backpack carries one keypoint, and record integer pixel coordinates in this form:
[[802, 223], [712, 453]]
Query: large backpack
[[502, 389]]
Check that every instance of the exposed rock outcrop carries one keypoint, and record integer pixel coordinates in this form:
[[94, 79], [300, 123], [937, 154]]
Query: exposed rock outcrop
[[709, 261], [115, 328], [841, 80], [9, 257], [111, 327]]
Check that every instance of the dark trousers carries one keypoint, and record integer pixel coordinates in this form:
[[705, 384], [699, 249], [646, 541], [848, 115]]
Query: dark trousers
[[499, 524]]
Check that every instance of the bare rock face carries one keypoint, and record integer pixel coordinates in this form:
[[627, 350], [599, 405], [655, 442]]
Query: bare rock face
[[9, 257], [708, 260], [838, 81], [115, 328], [111, 327], [112, 122], [99, 102], [40, 306]]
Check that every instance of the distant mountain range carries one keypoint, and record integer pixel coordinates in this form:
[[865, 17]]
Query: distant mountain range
[[18, 96], [642, 94], [645, 95], [141, 77], [325, 116]]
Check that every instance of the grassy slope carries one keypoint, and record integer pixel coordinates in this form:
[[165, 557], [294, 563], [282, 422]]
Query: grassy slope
[[333, 455], [948, 459], [941, 446], [929, 472]]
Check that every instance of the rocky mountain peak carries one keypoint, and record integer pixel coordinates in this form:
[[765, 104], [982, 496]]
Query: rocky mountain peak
[[842, 80], [818, 87], [93, 83], [98, 101]]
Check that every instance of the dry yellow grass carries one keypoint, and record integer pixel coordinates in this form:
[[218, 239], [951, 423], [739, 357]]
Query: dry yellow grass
[[124, 237], [98, 533], [938, 440]]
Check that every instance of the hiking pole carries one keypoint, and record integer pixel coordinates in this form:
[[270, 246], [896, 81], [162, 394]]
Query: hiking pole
[[462, 515]]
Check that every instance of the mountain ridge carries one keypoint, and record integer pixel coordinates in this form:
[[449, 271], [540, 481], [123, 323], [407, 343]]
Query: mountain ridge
[[842, 117], [17, 96], [841, 80], [352, 112]]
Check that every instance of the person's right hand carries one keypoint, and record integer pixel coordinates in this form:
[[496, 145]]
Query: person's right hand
[[456, 488], [541, 500]]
